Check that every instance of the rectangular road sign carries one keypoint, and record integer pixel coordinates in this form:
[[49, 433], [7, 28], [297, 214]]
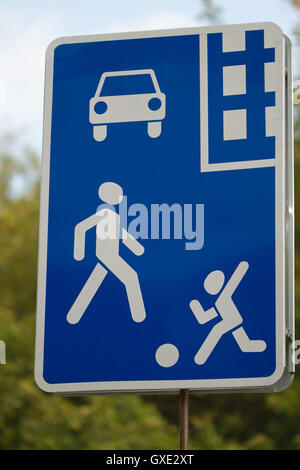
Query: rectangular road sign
[[166, 222]]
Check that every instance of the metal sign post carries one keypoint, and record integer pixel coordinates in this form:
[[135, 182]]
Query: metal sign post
[[184, 419]]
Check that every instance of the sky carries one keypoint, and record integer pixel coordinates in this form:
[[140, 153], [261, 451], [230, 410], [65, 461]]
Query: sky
[[26, 28]]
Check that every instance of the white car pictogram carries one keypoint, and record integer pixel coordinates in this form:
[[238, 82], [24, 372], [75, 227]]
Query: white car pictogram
[[111, 105]]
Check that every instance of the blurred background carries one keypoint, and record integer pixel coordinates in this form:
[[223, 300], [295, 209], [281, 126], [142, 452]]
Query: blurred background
[[29, 418]]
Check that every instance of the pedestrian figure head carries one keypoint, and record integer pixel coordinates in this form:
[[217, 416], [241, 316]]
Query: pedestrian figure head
[[214, 282], [111, 193]]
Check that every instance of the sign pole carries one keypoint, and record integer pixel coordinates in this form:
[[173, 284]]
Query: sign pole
[[183, 419]]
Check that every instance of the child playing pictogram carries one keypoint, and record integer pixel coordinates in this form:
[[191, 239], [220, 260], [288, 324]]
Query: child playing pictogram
[[226, 308]]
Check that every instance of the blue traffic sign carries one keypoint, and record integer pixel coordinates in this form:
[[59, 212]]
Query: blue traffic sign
[[163, 252]]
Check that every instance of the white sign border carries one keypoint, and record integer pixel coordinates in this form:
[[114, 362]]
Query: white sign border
[[163, 385]]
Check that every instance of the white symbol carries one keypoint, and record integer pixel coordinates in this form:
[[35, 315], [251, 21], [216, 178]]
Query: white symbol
[[131, 106], [107, 223], [167, 355], [226, 308], [235, 80]]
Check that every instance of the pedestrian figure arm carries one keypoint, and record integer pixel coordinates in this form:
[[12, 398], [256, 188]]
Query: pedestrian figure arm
[[236, 278], [79, 235], [131, 243], [201, 315]]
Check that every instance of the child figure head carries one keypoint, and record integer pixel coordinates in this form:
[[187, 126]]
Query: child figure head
[[214, 282]]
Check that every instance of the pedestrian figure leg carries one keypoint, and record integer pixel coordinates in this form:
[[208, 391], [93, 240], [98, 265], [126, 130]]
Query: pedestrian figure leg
[[130, 279], [246, 344], [135, 299], [86, 294]]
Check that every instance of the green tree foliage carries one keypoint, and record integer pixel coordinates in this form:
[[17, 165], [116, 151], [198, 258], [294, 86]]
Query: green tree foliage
[[210, 12]]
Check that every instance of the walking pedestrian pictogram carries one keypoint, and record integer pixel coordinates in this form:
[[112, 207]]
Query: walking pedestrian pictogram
[[108, 229]]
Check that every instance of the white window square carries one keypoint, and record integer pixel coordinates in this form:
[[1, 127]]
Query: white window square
[[271, 76], [270, 121], [233, 41], [234, 80], [235, 124]]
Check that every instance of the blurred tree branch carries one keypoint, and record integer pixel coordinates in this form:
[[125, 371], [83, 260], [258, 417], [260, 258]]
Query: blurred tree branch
[[296, 3], [211, 13]]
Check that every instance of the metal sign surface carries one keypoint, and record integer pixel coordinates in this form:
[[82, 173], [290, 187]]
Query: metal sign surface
[[164, 206]]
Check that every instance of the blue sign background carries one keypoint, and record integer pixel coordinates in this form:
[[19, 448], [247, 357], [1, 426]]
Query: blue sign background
[[106, 345]]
